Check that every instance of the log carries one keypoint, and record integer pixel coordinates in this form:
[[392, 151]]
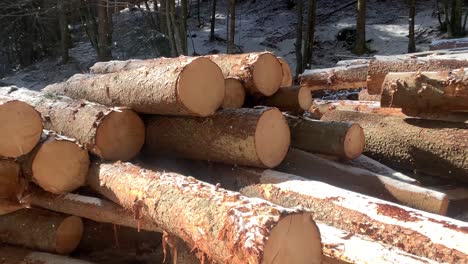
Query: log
[[441, 44], [365, 96], [426, 92], [224, 225], [342, 77], [287, 80], [260, 72], [112, 66], [11, 186], [95, 126], [424, 146], [380, 66], [252, 137], [14, 255], [177, 86], [41, 230], [235, 93], [21, 127], [294, 99], [352, 62], [57, 164], [343, 139]]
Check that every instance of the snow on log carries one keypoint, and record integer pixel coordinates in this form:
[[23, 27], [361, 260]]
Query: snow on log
[[342, 77], [176, 86], [253, 137], [441, 44], [260, 72], [21, 127], [109, 133], [426, 92], [287, 80], [41, 230], [14, 255], [112, 66], [235, 93], [342, 139], [432, 147], [294, 99], [224, 225]]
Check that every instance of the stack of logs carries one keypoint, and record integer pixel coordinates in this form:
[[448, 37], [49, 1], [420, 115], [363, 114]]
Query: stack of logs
[[210, 131]]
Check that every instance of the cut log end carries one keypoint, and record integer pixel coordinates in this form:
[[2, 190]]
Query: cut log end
[[235, 93], [354, 142], [287, 75], [272, 138], [201, 87], [69, 234], [60, 166], [120, 136], [267, 74], [21, 128], [295, 239], [305, 98]]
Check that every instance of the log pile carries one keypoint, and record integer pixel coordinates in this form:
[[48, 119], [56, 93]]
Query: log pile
[[232, 169]]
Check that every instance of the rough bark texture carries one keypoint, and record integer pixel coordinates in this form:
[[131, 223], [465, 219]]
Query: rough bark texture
[[432, 147], [381, 65], [426, 92], [442, 44], [83, 120], [11, 186], [155, 89], [13, 255], [343, 139], [41, 230], [365, 96], [223, 224], [342, 77], [231, 136], [287, 80], [294, 99]]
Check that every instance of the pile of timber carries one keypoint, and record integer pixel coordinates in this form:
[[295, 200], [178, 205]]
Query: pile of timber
[[210, 130]]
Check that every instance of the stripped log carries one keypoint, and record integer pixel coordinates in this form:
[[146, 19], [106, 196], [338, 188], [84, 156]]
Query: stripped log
[[261, 72], [380, 66], [41, 230], [109, 133], [235, 93], [252, 137], [342, 77], [442, 44], [14, 255], [287, 80], [294, 99], [57, 164], [432, 147], [223, 224], [342, 139], [21, 127], [176, 86], [426, 92]]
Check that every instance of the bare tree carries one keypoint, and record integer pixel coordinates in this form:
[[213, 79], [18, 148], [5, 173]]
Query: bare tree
[[65, 40], [309, 41], [412, 13], [231, 48], [104, 32], [299, 39], [452, 21], [213, 20], [360, 46]]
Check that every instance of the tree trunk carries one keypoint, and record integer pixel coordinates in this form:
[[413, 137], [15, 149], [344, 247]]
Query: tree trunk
[[298, 45], [360, 46], [176, 25], [209, 219], [432, 147], [42, 230], [287, 80], [251, 137], [11, 185], [65, 40], [235, 93], [198, 13], [170, 29], [104, 32], [12, 255], [91, 124], [21, 127], [231, 47], [294, 99], [342, 139], [412, 13], [309, 43], [455, 26], [426, 92], [178, 86], [261, 72], [184, 26], [88, 21], [57, 164], [163, 17], [337, 78], [213, 20]]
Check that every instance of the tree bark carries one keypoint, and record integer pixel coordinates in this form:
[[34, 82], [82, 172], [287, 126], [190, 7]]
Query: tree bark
[[342, 139], [178, 86], [294, 99], [412, 13], [235, 93], [455, 26], [41, 230], [104, 32], [11, 185], [287, 80], [65, 40], [365, 96], [21, 127], [213, 20], [298, 45], [260, 72], [432, 147], [184, 26], [309, 43], [12, 255], [93, 125], [210, 219], [337, 78], [231, 46], [251, 137], [360, 46], [426, 92]]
